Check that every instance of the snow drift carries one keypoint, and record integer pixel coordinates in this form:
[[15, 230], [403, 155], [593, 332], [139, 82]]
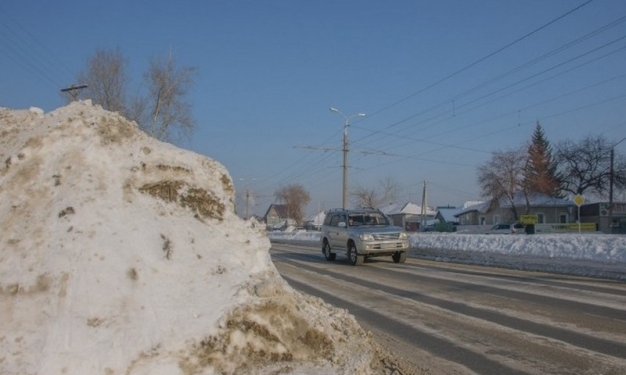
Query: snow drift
[[121, 254]]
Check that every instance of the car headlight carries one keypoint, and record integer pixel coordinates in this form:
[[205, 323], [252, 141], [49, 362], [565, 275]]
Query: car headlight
[[366, 237], [403, 235]]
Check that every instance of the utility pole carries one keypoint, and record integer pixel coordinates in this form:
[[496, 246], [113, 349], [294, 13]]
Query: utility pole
[[344, 200], [247, 195], [611, 172], [423, 208], [73, 91]]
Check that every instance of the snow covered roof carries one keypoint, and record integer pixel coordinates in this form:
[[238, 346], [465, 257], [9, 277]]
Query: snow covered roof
[[471, 203], [447, 214], [482, 207], [406, 208], [534, 200], [390, 208], [319, 218], [537, 200]]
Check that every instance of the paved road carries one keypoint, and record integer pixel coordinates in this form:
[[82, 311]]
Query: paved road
[[459, 319]]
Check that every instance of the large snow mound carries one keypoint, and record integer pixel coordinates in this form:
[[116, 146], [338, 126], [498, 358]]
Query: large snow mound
[[121, 254]]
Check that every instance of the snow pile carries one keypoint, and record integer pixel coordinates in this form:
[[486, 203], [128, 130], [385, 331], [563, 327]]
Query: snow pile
[[123, 255], [597, 255]]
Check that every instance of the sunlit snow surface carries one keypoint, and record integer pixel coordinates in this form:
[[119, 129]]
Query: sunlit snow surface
[[596, 255]]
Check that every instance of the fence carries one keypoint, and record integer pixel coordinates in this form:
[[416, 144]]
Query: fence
[[539, 228], [566, 228]]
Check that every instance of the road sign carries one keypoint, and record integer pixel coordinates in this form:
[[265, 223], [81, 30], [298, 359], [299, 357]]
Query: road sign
[[579, 200]]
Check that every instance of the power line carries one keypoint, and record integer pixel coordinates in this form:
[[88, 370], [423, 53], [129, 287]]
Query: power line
[[316, 165], [519, 82], [23, 54], [481, 59], [527, 64]]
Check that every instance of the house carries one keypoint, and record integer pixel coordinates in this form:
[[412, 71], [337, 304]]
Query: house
[[547, 209], [316, 222], [598, 213], [409, 215], [277, 216], [446, 215], [445, 221]]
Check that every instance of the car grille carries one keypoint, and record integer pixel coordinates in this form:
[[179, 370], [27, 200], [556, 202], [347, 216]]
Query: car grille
[[386, 236]]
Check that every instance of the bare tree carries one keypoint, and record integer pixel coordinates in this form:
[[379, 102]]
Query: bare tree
[[162, 110], [385, 191], [365, 197], [165, 113], [106, 80], [502, 177], [586, 166], [296, 198]]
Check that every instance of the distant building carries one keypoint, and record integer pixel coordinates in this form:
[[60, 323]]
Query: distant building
[[547, 209], [598, 213], [316, 222], [408, 215], [446, 215], [276, 217]]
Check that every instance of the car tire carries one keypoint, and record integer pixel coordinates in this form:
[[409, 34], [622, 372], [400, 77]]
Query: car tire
[[355, 258], [328, 254], [399, 256]]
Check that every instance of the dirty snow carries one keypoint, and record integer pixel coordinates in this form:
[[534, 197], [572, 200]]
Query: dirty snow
[[123, 255]]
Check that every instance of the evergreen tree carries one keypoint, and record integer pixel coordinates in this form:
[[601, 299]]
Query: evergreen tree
[[541, 174]]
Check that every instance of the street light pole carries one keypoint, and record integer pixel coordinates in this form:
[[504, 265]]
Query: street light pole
[[611, 172], [344, 201]]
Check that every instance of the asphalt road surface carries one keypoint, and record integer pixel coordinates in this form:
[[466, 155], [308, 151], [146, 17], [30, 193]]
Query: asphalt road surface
[[459, 319]]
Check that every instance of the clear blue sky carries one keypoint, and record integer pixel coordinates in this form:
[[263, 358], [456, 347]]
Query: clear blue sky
[[443, 83]]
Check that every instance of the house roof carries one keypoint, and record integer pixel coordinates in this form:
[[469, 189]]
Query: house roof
[[534, 200], [471, 203], [406, 208], [280, 209], [447, 213], [482, 207], [319, 218]]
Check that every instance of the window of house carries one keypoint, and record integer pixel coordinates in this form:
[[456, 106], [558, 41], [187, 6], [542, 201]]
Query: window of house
[[563, 218], [496, 219], [483, 220], [541, 218]]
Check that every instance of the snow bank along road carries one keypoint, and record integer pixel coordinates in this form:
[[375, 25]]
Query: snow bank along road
[[461, 319]]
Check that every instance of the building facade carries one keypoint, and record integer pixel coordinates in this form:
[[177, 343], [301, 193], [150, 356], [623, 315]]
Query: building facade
[[598, 213]]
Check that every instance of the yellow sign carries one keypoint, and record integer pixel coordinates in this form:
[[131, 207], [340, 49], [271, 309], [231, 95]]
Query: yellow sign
[[528, 219], [579, 200]]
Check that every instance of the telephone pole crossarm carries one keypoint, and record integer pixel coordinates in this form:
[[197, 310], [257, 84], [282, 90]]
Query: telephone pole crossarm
[[73, 90]]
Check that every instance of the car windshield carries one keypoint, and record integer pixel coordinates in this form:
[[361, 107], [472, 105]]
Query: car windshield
[[367, 218]]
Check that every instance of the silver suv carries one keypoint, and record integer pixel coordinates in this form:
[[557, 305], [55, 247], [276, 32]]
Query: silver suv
[[362, 233]]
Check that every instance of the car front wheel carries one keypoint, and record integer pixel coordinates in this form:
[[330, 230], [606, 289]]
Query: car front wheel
[[355, 258], [399, 257], [329, 255]]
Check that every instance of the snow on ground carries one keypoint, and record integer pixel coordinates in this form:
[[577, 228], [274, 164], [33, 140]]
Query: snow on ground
[[596, 255], [123, 255]]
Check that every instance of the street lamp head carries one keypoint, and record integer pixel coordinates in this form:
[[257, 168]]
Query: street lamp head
[[333, 109], [361, 115]]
